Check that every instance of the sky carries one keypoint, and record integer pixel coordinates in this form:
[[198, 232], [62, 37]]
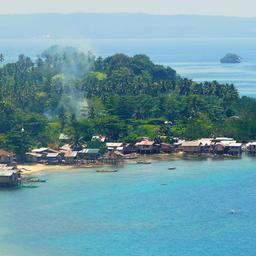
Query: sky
[[172, 7]]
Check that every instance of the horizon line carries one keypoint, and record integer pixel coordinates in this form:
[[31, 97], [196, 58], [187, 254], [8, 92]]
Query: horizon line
[[127, 13]]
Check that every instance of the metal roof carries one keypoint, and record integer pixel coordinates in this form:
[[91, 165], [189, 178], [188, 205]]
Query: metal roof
[[114, 144], [52, 154], [92, 151], [7, 172]]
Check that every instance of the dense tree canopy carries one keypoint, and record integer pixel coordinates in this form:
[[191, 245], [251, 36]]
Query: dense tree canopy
[[122, 97]]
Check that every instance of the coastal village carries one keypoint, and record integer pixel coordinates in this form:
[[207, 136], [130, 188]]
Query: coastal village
[[117, 152]]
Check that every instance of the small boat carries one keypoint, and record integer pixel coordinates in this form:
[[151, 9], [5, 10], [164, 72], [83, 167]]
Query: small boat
[[106, 170], [172, 168], [143, 162], [232, 211], [29, 186], [37, 180]]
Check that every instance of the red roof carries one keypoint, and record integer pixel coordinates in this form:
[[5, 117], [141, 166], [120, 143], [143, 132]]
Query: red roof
[[5, 153]]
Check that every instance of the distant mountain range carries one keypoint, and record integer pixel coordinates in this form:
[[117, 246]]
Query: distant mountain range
[[123, 25]]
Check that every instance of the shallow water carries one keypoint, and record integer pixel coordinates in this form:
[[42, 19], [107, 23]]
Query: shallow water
[[141, 210]]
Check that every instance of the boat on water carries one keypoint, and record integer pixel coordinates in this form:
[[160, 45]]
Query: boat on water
[[29, 186], [37, 180], [143, 162], [106, 170], [172, 168]]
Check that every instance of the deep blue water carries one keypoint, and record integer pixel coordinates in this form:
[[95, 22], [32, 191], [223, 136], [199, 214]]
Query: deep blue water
[[141, 210], [195, 58]]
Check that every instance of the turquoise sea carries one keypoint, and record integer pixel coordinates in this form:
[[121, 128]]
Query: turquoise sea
[[195, 58], [143, 210]]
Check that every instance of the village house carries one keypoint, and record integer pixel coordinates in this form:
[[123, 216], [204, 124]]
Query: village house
[[226, 146], [251, 148], [70, 157], [54, 158], [112, 157], [91, 154], [235, 148], [147, 146], [166, 148], [9, 176], [43, 152], [33, 157], [129, 148], [6, 157], [206, 145], [116, 146], [191, 147]]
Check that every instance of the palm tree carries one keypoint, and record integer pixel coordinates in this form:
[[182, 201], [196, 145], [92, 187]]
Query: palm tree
[[1, 58]]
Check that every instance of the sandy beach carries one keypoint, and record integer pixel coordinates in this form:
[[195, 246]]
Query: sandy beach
[[37, 168]]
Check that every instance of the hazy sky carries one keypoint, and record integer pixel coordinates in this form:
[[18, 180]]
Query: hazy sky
[[212, 7]]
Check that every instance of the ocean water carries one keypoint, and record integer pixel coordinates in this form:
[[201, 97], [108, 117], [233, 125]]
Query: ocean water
[[143, 210], [195, 58]]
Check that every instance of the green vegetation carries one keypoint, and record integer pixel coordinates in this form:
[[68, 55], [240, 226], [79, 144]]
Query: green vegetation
[[124, 98]]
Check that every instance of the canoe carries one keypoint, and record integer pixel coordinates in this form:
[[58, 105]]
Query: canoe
[[143, 162], [107, 171], [36, 180]]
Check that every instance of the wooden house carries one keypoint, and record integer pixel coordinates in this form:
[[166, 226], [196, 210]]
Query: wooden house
[[92, 153], [33, 157], [191, 147], [9, 176], [166, 148], [147, 146], [206, 145], [129, 148], [44, 152], [6, 157], [71, 157], [230, 147], [115, 146], [113, 157], [235, 148], [54, 158], [251, 148]]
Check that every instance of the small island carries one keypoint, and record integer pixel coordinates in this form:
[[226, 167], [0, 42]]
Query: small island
[[231, 58]]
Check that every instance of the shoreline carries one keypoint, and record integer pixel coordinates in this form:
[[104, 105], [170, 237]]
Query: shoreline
[[28, 169]]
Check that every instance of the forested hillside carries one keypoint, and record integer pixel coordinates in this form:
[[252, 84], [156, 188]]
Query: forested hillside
[[122, 97]]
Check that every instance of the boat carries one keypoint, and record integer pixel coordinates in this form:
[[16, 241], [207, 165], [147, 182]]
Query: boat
[[232, 211], [172, 168], [143, 162], [29, 186], [37, 180], [106, 170]]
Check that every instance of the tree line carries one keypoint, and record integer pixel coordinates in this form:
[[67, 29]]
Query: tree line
[[122, 97]]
